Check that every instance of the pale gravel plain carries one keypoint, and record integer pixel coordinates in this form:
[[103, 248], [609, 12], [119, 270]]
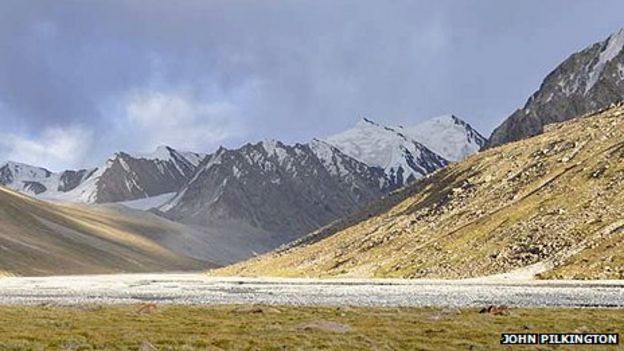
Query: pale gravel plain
[[196, 288]]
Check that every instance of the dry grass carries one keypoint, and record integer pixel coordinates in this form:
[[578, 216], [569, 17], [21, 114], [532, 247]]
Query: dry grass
[[282, 328], [557, 197]]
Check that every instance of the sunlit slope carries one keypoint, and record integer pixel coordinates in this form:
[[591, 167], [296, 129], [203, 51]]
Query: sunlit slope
[[39, 238], [556, 198]]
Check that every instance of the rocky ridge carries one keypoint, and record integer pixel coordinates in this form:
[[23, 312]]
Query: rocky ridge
[[587, 81]]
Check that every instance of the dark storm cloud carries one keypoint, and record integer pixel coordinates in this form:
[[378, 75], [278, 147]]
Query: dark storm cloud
[[101, 76]]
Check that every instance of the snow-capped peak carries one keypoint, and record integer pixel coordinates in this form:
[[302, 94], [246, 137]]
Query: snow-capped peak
[[162, 153], [448, 119], [448, 136], [166, 153], [402, 157], [22, 171], [39, 181], [26, 178]]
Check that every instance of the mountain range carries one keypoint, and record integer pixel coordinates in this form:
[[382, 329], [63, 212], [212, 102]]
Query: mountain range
[[122, 178], [404, 154], [249, 200]]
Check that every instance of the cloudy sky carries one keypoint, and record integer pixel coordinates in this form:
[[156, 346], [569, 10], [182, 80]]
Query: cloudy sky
[[80, 80]]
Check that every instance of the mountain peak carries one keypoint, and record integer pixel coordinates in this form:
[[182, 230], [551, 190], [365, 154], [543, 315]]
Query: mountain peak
[[162, 152], [161, 148], [450, 120], [365, 122], [448, 136], [447, 118], [619, 33], [13, 165], [588, 81], [402, 158]]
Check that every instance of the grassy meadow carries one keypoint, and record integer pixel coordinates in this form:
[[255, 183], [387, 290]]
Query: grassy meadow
[[155, 327]]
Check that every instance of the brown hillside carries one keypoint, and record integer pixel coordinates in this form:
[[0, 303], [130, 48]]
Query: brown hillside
[[39, 238]]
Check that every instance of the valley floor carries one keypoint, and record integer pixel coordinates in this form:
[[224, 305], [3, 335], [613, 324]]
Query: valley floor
[[201, 289], [245, 327]]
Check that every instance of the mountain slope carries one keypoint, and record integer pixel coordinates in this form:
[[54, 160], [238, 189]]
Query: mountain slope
[[553, 200], [587, 81], [40, 238], [278, 188], [403, 158]]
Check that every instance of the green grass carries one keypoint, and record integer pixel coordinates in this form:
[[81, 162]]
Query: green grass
[[283, 328]]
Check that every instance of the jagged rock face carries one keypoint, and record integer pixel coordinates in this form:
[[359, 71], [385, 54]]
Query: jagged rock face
[[69, 180], [587, 81], [278, 188], [126, 177], [34, 187], [6, 176]]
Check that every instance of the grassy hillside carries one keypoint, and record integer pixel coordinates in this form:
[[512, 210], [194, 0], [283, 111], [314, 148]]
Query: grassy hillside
[[556, 198], [39, 238]]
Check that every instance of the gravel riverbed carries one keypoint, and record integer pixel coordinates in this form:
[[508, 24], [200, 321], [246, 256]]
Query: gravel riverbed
[[190, 288]]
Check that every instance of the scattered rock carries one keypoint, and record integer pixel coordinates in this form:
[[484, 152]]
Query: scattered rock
[[71, 345], [325, 326], [147, 308], [495, 310], [257, 309], [343, 310], [147, 346]]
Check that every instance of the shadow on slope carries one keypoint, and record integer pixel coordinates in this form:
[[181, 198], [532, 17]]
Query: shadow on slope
[[39, 238]]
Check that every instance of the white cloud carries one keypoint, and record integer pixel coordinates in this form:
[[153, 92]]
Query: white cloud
[[56, 147], [180, 121]]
